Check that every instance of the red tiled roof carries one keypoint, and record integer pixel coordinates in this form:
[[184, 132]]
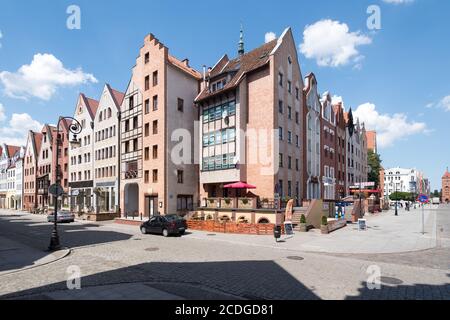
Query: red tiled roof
[[446, 174], [38, 140], [12, 150], [91, 105], [117, 96], [179, 64], [239, 67]]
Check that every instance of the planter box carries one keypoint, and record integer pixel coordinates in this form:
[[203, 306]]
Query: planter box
[[333, 225]]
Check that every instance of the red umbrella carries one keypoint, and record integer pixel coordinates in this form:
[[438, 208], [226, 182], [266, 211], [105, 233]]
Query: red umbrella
[[239, 185]]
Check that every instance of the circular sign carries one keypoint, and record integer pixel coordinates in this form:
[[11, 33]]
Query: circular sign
[[423, 198]]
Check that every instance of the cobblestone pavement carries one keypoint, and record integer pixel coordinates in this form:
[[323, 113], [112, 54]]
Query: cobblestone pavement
[[117, 262]]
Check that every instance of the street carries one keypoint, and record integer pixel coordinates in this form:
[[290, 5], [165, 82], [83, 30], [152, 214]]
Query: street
[[118, 262]]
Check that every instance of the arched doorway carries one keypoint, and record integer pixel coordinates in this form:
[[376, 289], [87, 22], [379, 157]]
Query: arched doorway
[[131, 199]]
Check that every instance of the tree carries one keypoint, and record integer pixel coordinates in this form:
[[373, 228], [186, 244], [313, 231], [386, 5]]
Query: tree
[[402, 196], [436, 194], [374, 161]]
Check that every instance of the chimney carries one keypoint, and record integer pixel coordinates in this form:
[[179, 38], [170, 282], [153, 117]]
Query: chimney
[[186, 62], [204, 73]]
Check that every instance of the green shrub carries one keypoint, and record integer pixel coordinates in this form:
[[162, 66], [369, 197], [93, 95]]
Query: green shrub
[[302, 219], [324, 221]]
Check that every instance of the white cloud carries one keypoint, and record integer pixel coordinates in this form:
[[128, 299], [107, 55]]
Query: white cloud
[[445, 103], [42, 78], [16, 131], [398, 1], [429, 105], [1, 36], [269, 36], [390, 128], [2, 113], [332, 44]]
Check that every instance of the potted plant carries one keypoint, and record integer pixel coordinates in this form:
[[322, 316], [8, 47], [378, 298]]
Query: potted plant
[[303, 227], [324, 225]]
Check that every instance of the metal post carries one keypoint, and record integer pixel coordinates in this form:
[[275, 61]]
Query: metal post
[[54, 240], [423, 219]]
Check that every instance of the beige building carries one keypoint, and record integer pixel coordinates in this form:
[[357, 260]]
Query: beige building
[[157, 115], [250, 125], [45, 171], [81, 168], [106, 151]]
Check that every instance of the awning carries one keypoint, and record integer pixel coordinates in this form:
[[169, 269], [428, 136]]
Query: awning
[[239, 185], [365, 190]]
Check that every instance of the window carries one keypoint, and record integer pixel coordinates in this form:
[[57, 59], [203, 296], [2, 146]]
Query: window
[[155, 103], [280, 160], [147, 129], [289, 112], [147, 58], [155, 78], [131, 102], [180, 176], [146, 176], [127, 126], [155, 176], [147, 106], [280, 106], [297, 93], [297, 141], [155, 127], [297, 117], [147, 83], [155, 152], [289, 86], [147, 153], [180, 105], [289, 137], [289, 162], [135, 144], [296, 164], [135, 122], [127, 146], [185, 202], [280, 133], [280, 79]]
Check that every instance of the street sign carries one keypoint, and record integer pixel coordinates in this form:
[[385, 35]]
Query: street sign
[[363, 185], [56, 190], [423, 198]]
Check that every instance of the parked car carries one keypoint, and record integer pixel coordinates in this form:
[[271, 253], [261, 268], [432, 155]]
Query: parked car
[[165, 225], [62, 216]]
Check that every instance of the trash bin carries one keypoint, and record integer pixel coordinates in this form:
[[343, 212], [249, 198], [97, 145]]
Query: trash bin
[[277, 232]]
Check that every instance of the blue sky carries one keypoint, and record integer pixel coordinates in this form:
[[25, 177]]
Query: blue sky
[[398, 74]]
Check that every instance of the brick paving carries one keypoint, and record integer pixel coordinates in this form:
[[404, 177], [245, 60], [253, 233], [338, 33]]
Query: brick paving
[[115, 264]]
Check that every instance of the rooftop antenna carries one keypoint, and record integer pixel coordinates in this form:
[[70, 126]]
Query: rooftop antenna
[[241, 49]]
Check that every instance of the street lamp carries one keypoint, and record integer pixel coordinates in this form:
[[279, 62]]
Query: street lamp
[[396, 201], [75, 128]]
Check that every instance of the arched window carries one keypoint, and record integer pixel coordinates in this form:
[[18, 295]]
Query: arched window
[[263, 221], [101, 116], [109, 113]]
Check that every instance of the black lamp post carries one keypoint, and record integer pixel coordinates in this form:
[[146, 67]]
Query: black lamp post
[[75, 128], [396, 201]]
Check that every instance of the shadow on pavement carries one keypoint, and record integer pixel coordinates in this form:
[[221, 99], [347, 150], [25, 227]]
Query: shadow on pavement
[[200, 280], [29, 240], [403, 292]]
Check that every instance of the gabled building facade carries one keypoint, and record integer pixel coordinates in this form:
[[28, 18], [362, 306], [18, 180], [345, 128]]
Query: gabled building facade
[[106, 151], [340, 159], [312, 139], [81, 168], [156, 113], [7, 175], [45, 170], [251, 123], [328, 152], [30, 168]]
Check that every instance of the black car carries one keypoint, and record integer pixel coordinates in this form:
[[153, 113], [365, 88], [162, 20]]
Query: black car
[[165, 225]]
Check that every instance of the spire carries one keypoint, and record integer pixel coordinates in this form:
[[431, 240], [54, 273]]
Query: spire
[[241, 50]]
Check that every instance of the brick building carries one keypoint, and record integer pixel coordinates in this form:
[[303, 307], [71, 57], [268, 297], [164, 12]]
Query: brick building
[[250, 124], [157, 113], [446, 187]]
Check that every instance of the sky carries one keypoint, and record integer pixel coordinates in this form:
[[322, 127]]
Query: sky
[[388, 60]]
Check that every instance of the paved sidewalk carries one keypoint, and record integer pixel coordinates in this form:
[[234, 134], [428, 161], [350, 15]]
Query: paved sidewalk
[[386, 233], [15, 256]]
